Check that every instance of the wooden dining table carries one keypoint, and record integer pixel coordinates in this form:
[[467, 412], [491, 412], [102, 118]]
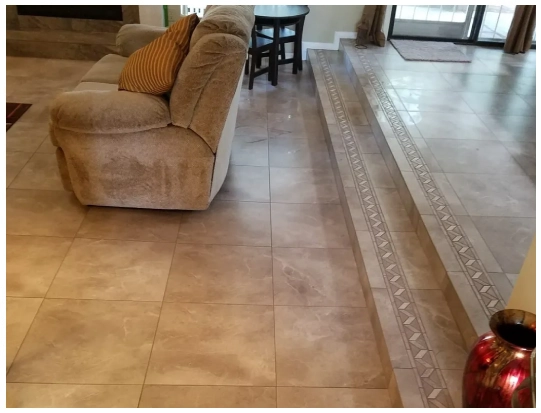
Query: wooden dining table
[[277, 16]]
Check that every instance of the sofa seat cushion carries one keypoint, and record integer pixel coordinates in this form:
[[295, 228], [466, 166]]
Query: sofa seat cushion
[[106, 70], [95, 86], [108, 112]]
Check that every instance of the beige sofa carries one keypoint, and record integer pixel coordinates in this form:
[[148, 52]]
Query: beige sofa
[[125, 149]]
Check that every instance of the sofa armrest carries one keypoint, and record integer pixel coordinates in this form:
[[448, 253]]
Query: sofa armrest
[[92, 111], [132, 37]]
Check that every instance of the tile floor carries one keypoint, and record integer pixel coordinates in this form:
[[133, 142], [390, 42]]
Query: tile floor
[[414, 322], [475, 150], [255, 302], [476, 123]]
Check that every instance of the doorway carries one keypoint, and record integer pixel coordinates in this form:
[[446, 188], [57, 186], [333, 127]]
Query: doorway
[[483, 25]]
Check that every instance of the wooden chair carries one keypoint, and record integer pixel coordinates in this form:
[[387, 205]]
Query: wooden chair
[[286, 35], [258, 47]]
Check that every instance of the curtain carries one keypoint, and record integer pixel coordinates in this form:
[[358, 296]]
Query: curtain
[[520, 36], [369, 28]]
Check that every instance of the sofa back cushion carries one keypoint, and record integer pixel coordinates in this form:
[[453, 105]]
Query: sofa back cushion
[[153, 68], [206, 82], [235, 20]]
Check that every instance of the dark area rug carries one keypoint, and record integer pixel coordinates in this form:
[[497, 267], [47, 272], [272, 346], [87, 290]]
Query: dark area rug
[[14, 111]]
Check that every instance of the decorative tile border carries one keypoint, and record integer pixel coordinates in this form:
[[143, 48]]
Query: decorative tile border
[[484, 288], [428, 375]]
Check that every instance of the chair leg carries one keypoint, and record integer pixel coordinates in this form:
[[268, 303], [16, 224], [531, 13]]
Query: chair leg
[[283, 51], [258, 64], [270, 65], [295, 53], [274, 52], [299, 40], [252, 73], [246, 66]]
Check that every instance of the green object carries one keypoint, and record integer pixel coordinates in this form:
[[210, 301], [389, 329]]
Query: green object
[[165, 16]]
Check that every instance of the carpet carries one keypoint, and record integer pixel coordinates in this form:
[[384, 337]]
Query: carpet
[[14, 111], [429, 51]]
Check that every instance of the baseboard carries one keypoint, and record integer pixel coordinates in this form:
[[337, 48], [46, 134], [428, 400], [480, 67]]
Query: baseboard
[[327, 46]]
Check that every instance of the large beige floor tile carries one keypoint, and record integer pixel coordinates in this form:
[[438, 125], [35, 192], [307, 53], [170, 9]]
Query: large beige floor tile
[[394, 212], [227, 222], [497, 104], [473, 156], [250, 148], [298, 105], [306, 397], [15, 161], [87, 342], [326, 347], [46, 146], [415, 264], [208, 344], [507, 238], [245, 183], [403, 79], [220, 274], [524, 154], [71, 395], [511, 127], [208, 397], [495, 195], [445, 338], [316, 277], [294, 126], [41, 172], [251, 118], [130, 224], [20, 313], [25, 136], [32, 262], [298, 153], [432, 101], [435, 125], [114, 270], [453, 380], [378, 171], [33, 212], [303, 185], [310, 226]]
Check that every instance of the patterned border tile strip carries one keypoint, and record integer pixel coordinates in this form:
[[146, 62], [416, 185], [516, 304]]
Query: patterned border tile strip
[[429, 377], [484, 288]]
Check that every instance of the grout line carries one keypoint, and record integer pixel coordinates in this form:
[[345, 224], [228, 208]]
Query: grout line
[[272, 274], [195, 385], [45, 295], [198, 302], [159, 316]]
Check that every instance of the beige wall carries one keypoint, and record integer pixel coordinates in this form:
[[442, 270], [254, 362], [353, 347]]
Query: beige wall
[[323, 21], [523, 295], [152, 15]]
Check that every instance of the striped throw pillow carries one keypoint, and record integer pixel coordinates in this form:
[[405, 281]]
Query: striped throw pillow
[[153, 68]]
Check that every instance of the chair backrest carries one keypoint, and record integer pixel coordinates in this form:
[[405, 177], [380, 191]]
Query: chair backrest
[[208, 77]]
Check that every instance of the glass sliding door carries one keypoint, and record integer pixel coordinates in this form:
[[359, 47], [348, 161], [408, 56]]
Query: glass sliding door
[[496, 23], [438, 22], [484, 25]]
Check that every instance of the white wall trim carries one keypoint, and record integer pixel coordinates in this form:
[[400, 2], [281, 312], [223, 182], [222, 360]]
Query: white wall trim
[[327, 46]]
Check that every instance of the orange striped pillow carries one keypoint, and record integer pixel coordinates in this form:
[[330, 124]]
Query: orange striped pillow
[[153, 69]]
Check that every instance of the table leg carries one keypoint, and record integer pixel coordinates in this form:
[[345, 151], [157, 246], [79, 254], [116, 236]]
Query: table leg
[[275, 51]]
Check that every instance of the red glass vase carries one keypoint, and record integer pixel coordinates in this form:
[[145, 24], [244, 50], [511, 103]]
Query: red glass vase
[[500, 361]]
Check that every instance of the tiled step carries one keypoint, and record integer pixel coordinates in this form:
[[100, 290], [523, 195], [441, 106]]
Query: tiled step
[[391, 224]]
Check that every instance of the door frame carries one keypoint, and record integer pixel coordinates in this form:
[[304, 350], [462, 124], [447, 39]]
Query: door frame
[[473, 38]]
